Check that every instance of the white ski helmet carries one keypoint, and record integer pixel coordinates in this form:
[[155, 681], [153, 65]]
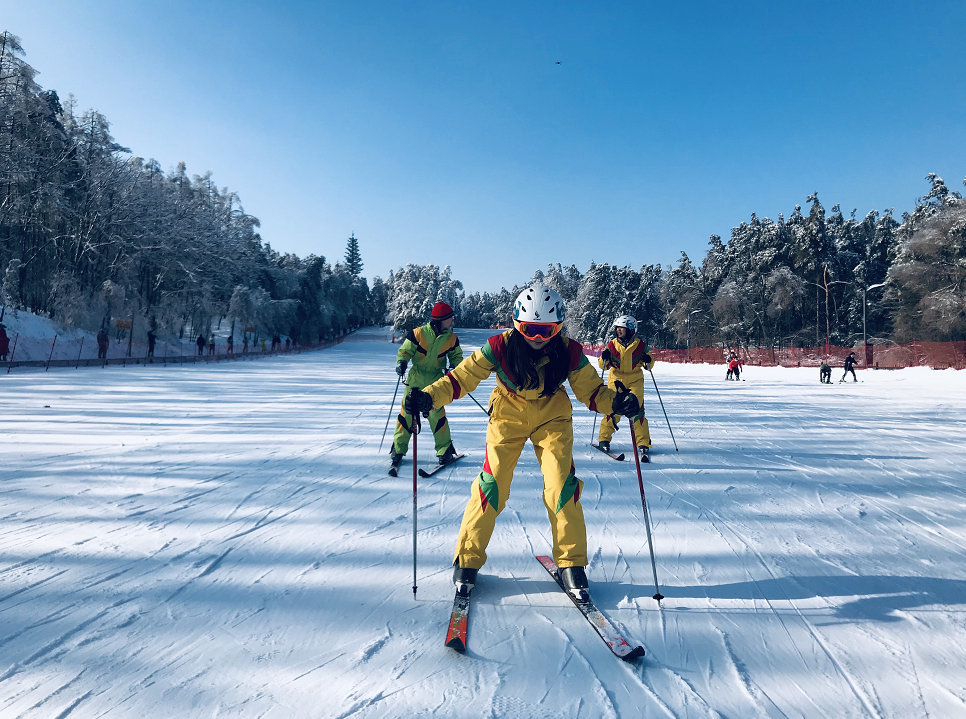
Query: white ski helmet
[[627, 322], [538, 304]]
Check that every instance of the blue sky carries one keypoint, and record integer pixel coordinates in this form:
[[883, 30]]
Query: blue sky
[[447, 132]]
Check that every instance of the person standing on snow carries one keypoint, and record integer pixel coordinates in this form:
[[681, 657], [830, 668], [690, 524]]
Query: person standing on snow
[[428, 348], [849, 367], [103, 342], [626, 357], [531, 362], [734, 368]]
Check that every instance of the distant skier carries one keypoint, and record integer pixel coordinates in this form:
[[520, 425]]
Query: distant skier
[[531, 362], [103, 342], [201, 342], [626, 357], [825, 373], [4, 343], [849, 367], [734, 368], [428, 348]]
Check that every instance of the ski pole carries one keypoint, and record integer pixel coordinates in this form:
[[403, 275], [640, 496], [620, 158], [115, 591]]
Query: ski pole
[[647, 522], [664, 410], [391, 407], [594, 430], [478, 404], [416, 426]]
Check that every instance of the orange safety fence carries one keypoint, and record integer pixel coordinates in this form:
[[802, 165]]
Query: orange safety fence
[[937, 355]]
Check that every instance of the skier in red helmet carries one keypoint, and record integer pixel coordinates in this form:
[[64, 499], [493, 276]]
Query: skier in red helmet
[[428, 348]]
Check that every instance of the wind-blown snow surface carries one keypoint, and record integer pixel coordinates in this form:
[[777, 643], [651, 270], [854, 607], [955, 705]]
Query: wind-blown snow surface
[[197, 541]]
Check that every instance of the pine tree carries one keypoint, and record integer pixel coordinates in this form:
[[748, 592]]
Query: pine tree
[[353, 259]]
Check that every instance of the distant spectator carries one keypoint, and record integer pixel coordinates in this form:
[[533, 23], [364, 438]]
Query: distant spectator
[[151, 340], [261, 341], [102, 343], [201, 342], [245, 344], [230, 345], [4, 343], [211, 344], [276, 342]]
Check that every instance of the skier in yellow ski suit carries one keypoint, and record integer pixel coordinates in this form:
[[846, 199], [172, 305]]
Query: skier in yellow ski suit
[[529, 402], [626, 357]]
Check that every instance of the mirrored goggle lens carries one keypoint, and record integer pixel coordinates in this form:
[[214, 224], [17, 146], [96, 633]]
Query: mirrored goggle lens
[[541, 330]]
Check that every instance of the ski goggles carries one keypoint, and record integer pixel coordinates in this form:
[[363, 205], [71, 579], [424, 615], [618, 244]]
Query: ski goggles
[[538, 330]]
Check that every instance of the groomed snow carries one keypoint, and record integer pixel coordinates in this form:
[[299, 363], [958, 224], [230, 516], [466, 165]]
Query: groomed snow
[[199, 541]]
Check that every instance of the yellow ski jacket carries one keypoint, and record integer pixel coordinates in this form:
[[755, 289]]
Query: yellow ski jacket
[[491, 357], [627, 363]]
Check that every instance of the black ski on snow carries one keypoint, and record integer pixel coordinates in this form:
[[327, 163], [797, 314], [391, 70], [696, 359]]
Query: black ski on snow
[[618, 457], [434, 470], [607, 631], [458, 622]]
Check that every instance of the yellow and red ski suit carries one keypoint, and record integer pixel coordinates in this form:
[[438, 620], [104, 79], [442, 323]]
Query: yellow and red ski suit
[[516, 415], [627, 364], [428, 353]]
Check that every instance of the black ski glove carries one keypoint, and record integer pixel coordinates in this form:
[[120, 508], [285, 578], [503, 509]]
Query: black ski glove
[[418, 402], [605, 355], [401, 369], [626, 403]]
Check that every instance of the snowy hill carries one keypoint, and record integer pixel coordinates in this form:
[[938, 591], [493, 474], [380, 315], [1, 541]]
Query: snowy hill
[[222, 540]]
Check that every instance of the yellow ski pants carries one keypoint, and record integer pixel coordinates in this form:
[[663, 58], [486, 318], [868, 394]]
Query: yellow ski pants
[[548, 424]]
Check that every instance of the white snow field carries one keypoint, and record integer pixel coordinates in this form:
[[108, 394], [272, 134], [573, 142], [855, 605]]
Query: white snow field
[[208, 541]]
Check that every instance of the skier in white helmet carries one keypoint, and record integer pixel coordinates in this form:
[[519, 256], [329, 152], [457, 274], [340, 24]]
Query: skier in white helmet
[[626, 357], [531, 362]]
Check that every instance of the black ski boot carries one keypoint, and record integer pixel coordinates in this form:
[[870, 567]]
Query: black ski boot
[[464, 578], [644, 454], [448, 456], [604, 446], [394, 461], [575, 581]]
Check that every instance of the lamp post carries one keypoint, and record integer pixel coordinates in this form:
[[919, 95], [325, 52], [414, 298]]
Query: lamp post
[[865, 341]]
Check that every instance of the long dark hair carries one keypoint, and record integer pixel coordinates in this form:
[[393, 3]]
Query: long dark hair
[[522, 361]]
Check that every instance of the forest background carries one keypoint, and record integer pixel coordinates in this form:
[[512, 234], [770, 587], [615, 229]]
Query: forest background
[[91, 234]]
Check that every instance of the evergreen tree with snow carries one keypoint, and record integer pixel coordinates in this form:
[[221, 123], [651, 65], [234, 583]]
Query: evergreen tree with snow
[[353, 258]]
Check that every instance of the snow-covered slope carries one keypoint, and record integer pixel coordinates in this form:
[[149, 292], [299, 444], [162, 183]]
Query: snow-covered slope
[[197, 541]]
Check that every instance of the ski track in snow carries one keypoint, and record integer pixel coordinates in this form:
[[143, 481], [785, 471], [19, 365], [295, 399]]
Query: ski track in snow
[[224, 541]]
